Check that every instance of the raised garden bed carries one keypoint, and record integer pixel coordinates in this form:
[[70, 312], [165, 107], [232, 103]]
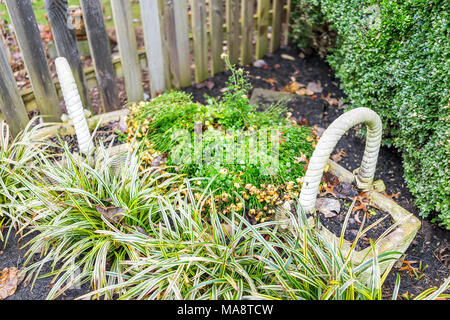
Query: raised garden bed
[[324, 111]]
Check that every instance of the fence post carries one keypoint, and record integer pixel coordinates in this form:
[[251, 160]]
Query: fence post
[[30, 43], [216, 22], [182, 38], [263, 27], [199, 31], [66, 43], [275, 41], [101, 53], [126, 37], [247, 31], [170, 41], [153, 45], [232, 17], [11, 103]]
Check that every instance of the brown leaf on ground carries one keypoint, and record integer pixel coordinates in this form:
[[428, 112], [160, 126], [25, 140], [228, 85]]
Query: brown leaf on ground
[[330, 179], [209, 84], [315, 87], [112, 214], [328, 190], [338, 156], [9, 280], [331, 101], [271, 81], [363, 203], [392, 196], [328, 207], [408, 267], [292, 87]]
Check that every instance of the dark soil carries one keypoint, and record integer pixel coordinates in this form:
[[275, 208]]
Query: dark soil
[[106, 135], [334, 224], [431, 247]]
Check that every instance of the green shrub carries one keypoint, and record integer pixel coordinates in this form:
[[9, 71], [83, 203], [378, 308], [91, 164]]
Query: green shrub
[[248, 175], [393, 57]]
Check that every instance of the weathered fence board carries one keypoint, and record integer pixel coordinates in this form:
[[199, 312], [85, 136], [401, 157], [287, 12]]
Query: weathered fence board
[[232, 22], [199, 31], [247, 31], [100, 53], [262, 28], [29, 39], [216, 33], [66, 43], [11, 103], [126, 37], [182, 41], [170, 41], [153, 45], [277, 10]]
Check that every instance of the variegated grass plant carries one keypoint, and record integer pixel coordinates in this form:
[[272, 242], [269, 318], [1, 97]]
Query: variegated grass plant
[[131, 235], [16, 155]]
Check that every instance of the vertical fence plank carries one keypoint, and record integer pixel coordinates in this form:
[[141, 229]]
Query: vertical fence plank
[[11, 103], [101, 53], [287, 21], [263, 27], [232, 22], [66, 43], [180, 13], [247, 31], [170, 41], [126, 37], [29, 39], [153, 45], [198, 8], [277, 10], [216, 21]]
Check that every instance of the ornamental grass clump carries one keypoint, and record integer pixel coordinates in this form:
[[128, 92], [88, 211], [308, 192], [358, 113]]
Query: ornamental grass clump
[[16, 155], [143, 234], [73, 203], [255, 158]]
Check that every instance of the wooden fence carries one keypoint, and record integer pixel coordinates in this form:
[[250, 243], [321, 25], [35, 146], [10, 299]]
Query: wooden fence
[[184, 41]]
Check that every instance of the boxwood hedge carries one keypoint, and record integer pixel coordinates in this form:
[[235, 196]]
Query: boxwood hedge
[[393, 57]]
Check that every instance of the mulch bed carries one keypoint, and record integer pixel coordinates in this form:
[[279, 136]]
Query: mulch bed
[[431, 245]]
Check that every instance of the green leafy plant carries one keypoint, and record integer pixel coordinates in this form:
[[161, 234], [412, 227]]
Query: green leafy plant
[[256, 177], [393, 57], [16, 155]]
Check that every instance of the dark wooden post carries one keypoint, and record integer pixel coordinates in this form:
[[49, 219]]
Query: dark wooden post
[[101, 53], [66, 43], [29, 39], [11, 102]]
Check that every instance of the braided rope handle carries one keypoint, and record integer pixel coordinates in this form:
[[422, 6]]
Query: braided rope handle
[[74, 105], [326, 145]]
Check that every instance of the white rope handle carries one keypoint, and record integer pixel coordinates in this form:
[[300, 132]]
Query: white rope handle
[[326, 145], [74, 105]]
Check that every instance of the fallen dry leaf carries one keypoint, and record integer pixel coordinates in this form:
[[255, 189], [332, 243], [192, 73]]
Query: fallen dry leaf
[[271, 81], [112, 214], [9, 280], [331, 101], [328, 207], [315, 87], [408, 267], [287, 57], [338, 156], [292, 87]]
